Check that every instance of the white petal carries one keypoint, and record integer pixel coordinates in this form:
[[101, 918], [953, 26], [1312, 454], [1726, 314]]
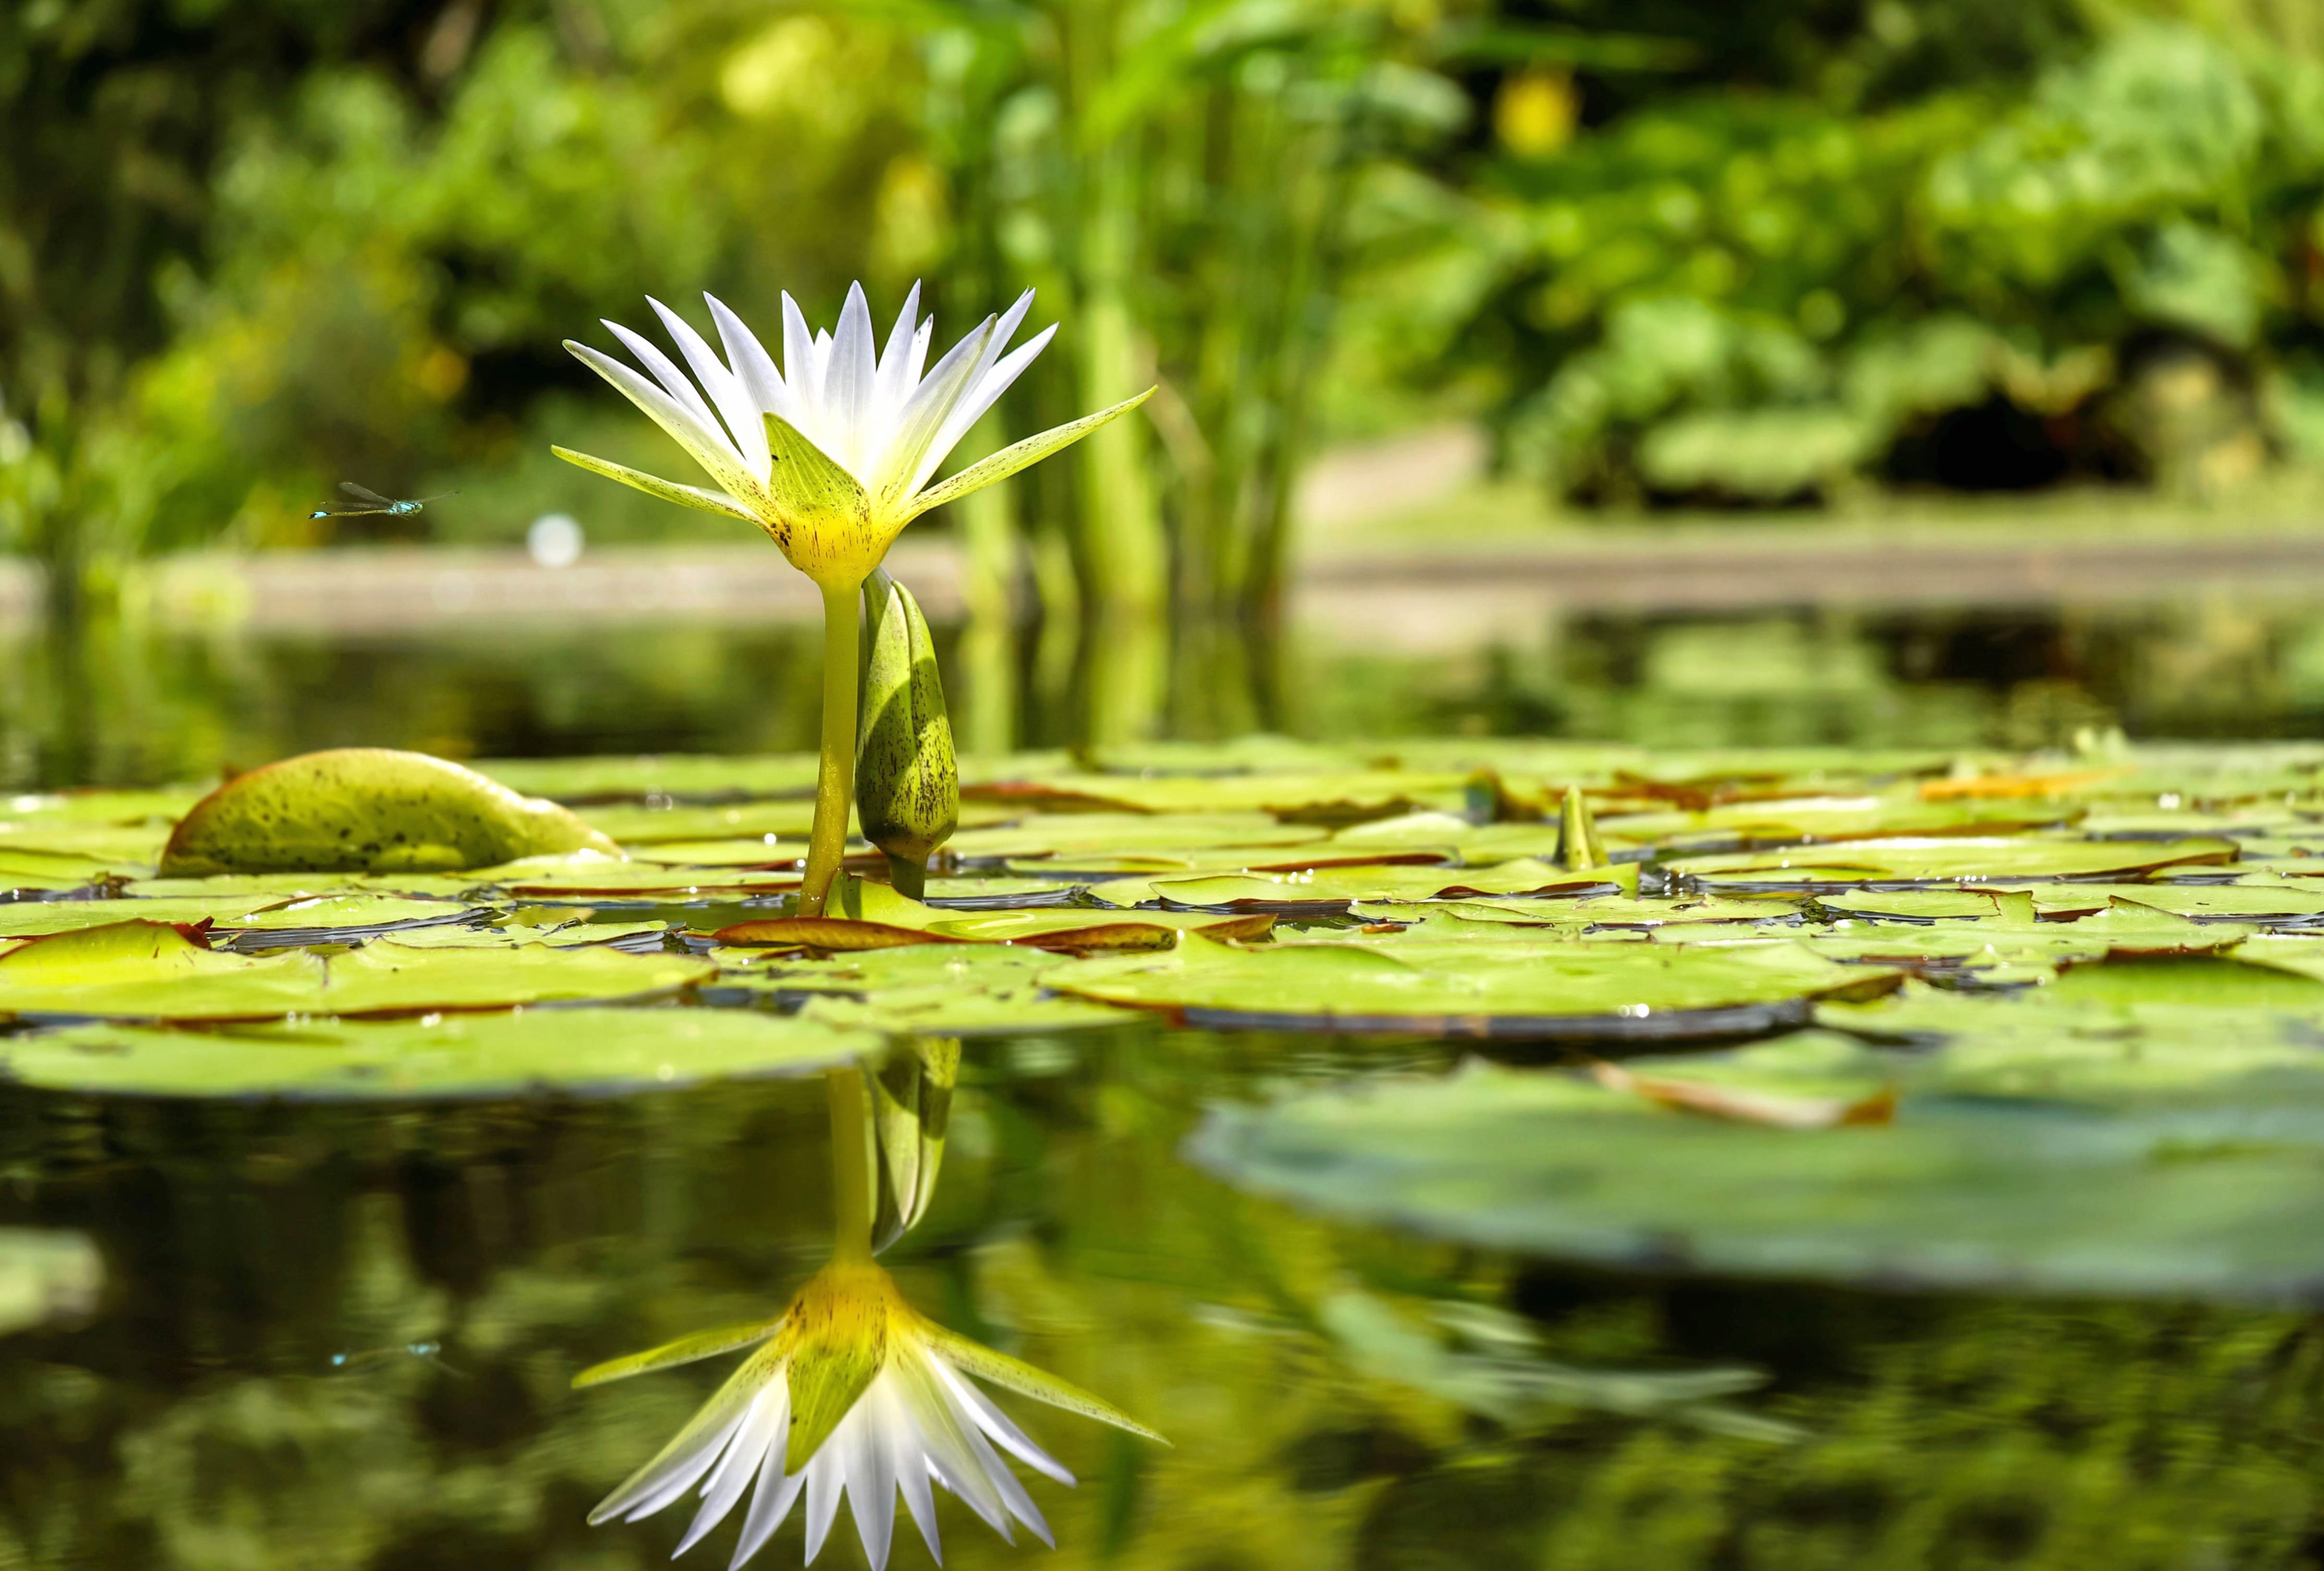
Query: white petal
[[693, 1449], [735, 405], [769, 1418], [799, 366], [979, 399], [825, 1480], [895, 361], [754, 366], [934, 399], [920, 341], [770, 1506], [871, 1470], [945, 1429], [665, 370], [854, 370], [912, 1475], [1000, 1426], [954, 428], [701, 438], [1020, 1504]]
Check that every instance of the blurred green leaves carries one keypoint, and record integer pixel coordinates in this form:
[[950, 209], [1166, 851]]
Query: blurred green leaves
[[1742, 296]]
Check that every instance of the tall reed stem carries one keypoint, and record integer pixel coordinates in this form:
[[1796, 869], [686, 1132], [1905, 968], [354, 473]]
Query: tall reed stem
[[835, 778], [851, 1199]]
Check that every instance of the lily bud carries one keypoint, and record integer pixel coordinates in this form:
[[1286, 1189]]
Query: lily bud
[[1578, 845], [911, 1107], [907, 779]]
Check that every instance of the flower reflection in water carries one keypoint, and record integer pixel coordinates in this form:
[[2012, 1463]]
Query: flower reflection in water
[[853, 1391]]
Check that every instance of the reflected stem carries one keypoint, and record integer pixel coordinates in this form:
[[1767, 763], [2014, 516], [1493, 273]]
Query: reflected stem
[[835, 778], [851, 1166]]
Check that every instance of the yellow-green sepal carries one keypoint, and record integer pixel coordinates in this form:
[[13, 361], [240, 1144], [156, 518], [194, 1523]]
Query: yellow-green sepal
[[826, 1382], [1013, 1375], [823, 515], [685, 1350], [1022, 456], [685, 496]]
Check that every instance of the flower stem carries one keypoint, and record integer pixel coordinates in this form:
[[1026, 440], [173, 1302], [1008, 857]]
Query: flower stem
[[834, 780], [851, 1166]]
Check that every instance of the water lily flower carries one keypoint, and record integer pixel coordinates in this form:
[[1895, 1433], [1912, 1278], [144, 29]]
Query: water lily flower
[[832, 453], [852, 1392]]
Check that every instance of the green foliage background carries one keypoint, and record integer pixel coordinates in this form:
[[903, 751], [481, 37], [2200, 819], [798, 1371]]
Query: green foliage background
[[1743, 254]]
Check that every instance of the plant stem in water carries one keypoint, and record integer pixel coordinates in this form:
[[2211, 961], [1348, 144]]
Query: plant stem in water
[[851, 1166], [834, 780]]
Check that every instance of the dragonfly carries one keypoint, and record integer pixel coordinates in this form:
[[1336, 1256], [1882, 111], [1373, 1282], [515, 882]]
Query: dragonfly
[[374, 1358], [370, 502]]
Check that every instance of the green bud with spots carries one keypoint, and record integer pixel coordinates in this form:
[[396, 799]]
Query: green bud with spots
[[907, 779]]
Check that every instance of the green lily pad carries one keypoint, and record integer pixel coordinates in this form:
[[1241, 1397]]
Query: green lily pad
[[1906, 862], [368, 809], [1329, 889], [635, 825], [146, 970], [1959, 1193], [1524, 990], [589, 874], [1063, 835], [164, 807], [940, 990], [1605, 912], [577, 1051], [108, 844], [38, 918], [1330, 799], [676, 777], [873, 917], [21, 869]]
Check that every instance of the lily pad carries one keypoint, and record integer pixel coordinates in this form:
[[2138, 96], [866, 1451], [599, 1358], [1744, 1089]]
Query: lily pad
[[366, 912], [1543, 991], [675, 777], [1331, 890], [946, 990], [579, 1051], [1959, 1193], [1064, 834], [368, 809], [147, 970], [1906, 863]]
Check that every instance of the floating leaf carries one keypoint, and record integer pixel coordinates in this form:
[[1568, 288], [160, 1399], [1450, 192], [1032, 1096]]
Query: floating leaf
[[585, 1052], [938, 990], [1330, 889], [1905, 862], [368, 809], [363, 911], [1591, 992], [145, 970], [1957, 1193]]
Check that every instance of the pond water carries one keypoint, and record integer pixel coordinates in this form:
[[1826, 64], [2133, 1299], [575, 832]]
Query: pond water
[[343, 1334], [142, 707], [199, 1420]]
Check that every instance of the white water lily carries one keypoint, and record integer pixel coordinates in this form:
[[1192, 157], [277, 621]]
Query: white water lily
[[832, 453], [857, 1395]]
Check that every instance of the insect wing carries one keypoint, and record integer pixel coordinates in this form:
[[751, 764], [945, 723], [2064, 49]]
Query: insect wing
[[366, 493]]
